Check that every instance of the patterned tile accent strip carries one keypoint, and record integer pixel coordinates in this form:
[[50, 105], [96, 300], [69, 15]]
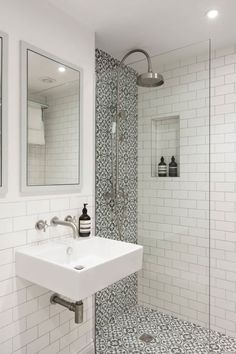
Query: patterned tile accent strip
[[122, 295]]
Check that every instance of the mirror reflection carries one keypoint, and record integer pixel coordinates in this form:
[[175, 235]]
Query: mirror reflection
[[53, 106]]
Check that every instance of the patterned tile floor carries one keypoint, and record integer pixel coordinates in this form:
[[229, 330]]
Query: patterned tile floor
[[170, 335]]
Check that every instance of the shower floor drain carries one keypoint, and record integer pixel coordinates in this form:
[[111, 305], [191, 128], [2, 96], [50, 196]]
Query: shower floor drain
[[147, 338]]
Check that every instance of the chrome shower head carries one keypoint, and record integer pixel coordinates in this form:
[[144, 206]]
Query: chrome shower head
[[150, 79]]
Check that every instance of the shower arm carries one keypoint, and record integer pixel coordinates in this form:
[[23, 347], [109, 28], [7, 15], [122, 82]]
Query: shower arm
[[137, 51], [117, 188]]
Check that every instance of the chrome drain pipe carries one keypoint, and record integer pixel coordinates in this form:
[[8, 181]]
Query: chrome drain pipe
[[76, 307]]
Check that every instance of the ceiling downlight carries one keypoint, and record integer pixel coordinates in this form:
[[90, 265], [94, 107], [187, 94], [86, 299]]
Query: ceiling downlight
[[212, 14]]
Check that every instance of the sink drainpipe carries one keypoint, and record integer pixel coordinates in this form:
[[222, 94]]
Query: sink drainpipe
[[76, 307]]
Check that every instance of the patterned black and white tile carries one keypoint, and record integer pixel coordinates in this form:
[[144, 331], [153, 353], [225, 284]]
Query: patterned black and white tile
[[143, 330], [117, 298]]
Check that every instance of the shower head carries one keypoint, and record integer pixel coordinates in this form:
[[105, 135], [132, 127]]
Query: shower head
[[150, 79]]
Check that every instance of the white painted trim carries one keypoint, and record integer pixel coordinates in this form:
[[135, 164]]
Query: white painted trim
[[47, 189]]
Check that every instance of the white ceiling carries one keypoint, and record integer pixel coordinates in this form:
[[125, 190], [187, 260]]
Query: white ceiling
[[155, 25], [40, 68]]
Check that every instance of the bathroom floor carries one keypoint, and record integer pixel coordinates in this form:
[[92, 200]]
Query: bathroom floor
[[161, 334]]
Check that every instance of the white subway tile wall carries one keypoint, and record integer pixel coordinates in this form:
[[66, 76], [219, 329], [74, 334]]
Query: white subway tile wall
[[174, 213], [28, 322], [223, 192], [36, 164], [57, 161], [62, 136]]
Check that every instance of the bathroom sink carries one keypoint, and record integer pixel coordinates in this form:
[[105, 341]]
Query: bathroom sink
[[78, 268]]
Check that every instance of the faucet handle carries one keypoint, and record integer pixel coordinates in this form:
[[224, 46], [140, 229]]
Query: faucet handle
[[41, 225], [70, 218], [75, 219]]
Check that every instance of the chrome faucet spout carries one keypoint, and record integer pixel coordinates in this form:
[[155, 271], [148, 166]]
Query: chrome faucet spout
[[55, 221]]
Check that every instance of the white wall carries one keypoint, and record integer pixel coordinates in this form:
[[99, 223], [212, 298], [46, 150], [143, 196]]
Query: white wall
[[173, 213], [27, 323], [223, 191]]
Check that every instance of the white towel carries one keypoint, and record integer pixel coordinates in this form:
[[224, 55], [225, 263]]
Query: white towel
[[35, 125]]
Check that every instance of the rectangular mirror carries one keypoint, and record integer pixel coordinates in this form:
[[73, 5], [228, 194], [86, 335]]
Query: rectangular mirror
[[3, 111], [51, 105]]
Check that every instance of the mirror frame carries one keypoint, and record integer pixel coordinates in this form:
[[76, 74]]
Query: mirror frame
[[4, 123], [47, 189]]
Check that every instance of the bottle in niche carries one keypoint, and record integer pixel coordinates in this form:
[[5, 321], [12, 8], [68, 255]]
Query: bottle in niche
[[173, 168], [84, 223], [162, 168]]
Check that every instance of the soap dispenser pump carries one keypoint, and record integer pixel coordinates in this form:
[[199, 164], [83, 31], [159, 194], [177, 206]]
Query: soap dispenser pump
[[84, 223], [162, 168], [173, 168]]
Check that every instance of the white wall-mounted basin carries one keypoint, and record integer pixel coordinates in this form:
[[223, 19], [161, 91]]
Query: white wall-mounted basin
[[104, 261]]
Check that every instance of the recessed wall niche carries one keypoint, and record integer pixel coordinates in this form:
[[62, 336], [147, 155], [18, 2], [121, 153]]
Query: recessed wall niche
[[165, 142]]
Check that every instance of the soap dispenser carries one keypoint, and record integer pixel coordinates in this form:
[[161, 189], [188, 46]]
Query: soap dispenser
[[84, 223], [162, 168], [173, 168]]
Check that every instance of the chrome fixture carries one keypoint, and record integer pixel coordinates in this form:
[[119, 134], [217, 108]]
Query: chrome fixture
[[71, 218], [41, 225], [69, 221], [147, 338], [76, 307], [148, 79]]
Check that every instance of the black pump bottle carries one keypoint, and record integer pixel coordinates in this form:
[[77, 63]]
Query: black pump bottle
[[173, 172], [162, 168], [84, 223]]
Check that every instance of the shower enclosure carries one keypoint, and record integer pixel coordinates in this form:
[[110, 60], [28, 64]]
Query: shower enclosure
[[184, 299]]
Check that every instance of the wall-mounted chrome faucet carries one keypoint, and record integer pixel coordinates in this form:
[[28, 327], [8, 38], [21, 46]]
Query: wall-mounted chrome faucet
[[67, 222]]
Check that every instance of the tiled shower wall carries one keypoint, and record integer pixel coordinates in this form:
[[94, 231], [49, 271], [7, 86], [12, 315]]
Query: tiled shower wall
[[223, 191], [122, 295], [173, 213]]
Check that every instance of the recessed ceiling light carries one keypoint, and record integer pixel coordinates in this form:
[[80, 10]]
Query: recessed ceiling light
[[62, 69], [212, 14]]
